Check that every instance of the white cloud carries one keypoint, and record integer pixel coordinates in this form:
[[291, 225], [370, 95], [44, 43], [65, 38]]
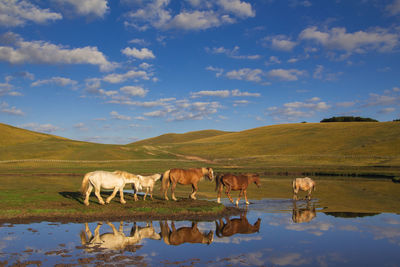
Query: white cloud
[[132, 74], [218, 71], [199, 16], [394, 8], [117, 116], [134, 91], [5, 108], [237, 7], [281, 42], [293, 111], [321, 74], [224, 93], [60, 81], [246, 74], [286, 75], [143, 53], [20, 51], [46, 128], [377, 39], [386, 110], [87, 7], [18, 13], [232, 53]]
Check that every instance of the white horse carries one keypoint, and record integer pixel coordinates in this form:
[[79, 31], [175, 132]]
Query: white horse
[[148, 183], [108, 180], [117, 240], [304, 184]]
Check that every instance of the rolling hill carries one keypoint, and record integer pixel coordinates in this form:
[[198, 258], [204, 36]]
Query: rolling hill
[[360, 139]]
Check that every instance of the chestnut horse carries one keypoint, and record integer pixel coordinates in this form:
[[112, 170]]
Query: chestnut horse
[[304, 184], [236, 226], [184, 177], [184, 234], [235, 182]]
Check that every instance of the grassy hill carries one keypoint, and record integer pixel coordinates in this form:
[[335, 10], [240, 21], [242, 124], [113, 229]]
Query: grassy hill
[[303, 146]]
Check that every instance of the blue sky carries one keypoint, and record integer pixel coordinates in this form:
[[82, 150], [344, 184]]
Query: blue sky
[[121, 71]]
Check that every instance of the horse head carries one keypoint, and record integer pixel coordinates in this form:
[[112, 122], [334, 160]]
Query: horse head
[[210, 174], [256, 179]]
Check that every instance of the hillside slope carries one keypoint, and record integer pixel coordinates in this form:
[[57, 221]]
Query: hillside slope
[[355, 138]]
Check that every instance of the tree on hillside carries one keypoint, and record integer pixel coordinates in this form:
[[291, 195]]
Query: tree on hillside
[[348, 119]]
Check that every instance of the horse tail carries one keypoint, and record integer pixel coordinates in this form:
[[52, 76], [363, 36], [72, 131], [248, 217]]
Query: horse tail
[[217, 181], [314, 186], [85, 182], [294, 184], [165, 180]]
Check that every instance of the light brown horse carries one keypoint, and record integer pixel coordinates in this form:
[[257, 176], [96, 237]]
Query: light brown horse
[[303, 184], [303, 215], [235, 182], [184, 177], [184, 234], [236, 226]]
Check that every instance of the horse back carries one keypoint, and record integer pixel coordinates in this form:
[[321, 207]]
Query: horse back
[[236, 182], [185, 176]]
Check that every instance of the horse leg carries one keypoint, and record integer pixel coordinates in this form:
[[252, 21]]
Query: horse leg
[[220, 186], [240, 195], [245, 197], [145, 194], [194, 191], [121, 195], [309, 193], [151, 193], [97, 193], [89, 190], [166, 191], [173, 185], [295, 191], [227, 192], [108, 200]]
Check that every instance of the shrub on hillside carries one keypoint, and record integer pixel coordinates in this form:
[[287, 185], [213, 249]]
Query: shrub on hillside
[[348, 119]]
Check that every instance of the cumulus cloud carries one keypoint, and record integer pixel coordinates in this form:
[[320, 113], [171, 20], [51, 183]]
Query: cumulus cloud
[[18, 13], [377, 39], [143, 53], [286, 75], [224, 93], [18, 51], [293, 111], [394, 8], [5, 108], [247, 74], [232, 53], [60, 81], [280, 42], [134, 91], [196, 16], [218, 71], [87, 7], [46, 128], [117, 116], [132, 74]]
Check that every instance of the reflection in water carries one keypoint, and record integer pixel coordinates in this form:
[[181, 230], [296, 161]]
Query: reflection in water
[[236, 226], [116, 240], [302, 215], [184, 234], [350, 214]]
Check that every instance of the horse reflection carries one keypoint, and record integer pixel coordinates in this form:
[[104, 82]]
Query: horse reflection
[[236, 226], [303, 215], [116, 240], [184, 234]]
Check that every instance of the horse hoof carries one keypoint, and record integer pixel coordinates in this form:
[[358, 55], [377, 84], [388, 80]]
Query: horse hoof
[[247, 203]]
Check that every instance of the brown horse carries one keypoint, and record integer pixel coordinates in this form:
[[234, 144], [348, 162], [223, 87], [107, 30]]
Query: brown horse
[[184, 177], [235, 182], [184, 234], [304, 184], [236, 226]]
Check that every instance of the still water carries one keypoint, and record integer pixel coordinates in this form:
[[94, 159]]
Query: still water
[[272, 232]]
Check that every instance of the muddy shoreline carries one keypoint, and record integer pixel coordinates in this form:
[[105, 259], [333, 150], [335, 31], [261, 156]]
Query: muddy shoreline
[[117, 216]]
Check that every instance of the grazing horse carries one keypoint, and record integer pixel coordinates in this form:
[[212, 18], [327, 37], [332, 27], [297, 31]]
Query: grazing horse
[[148, 183], [184, 234], [304, 184], [184, 177], [236, 226], [235, 182], [107, 180], [116, 240], [303, 215]]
